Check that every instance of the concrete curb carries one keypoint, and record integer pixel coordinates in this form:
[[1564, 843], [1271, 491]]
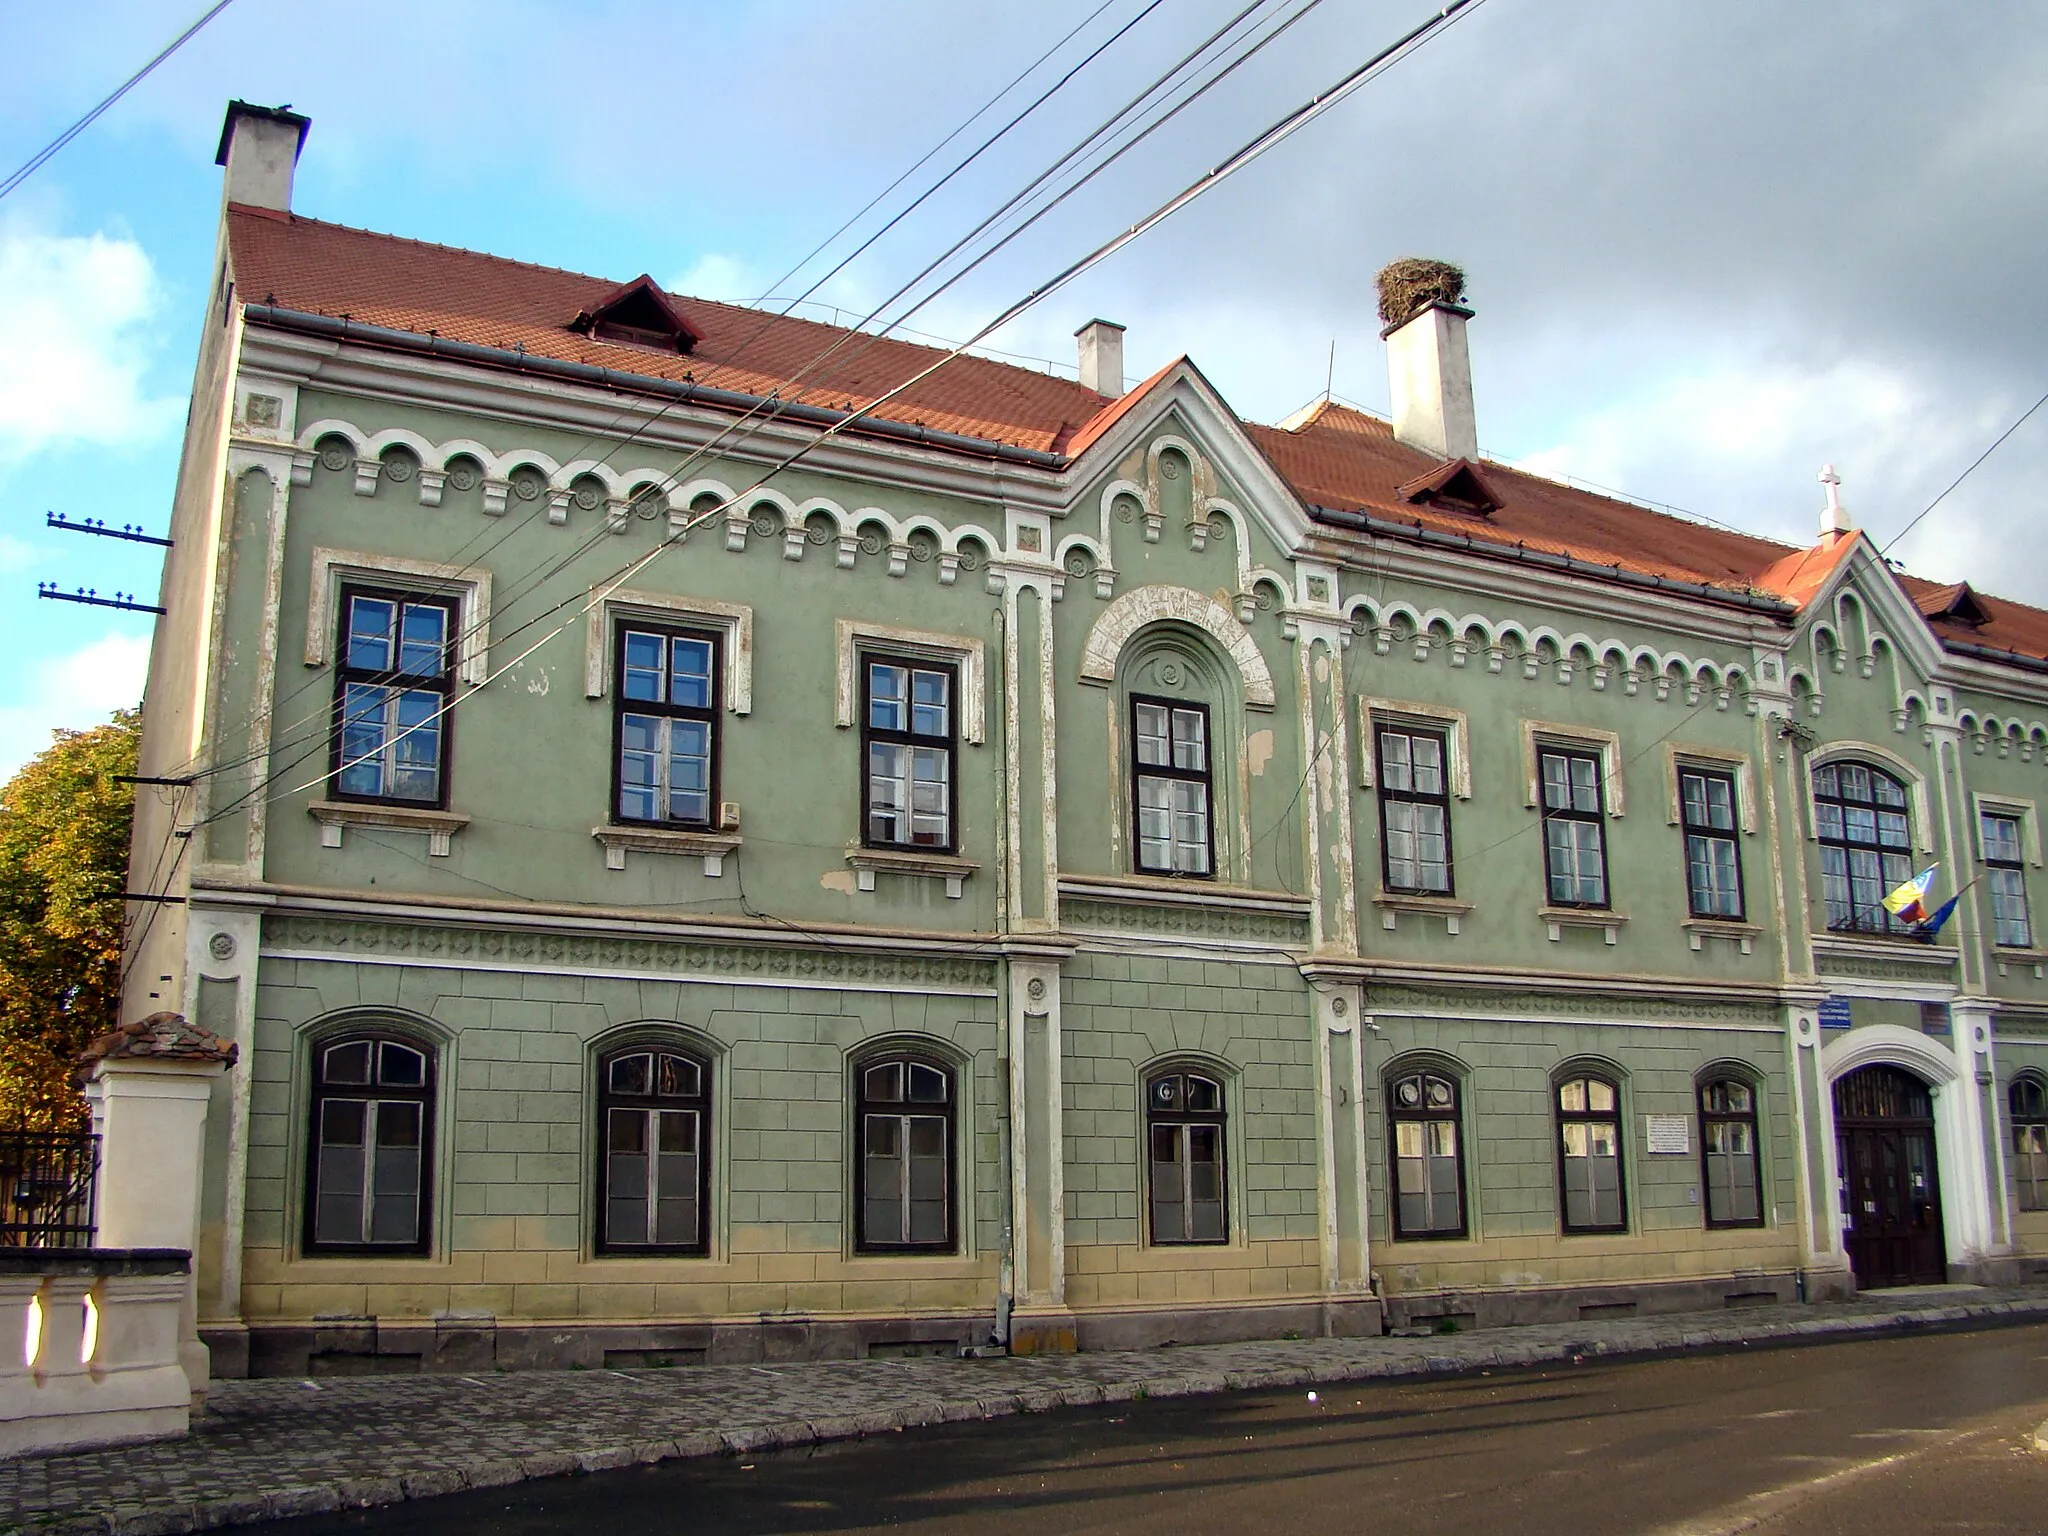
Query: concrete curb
[[1508, 1353]]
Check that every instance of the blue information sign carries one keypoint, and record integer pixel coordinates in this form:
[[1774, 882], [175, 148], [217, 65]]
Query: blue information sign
[[1834, 1013]]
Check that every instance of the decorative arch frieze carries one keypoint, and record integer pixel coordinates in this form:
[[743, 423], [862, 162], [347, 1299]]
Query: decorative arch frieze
[[1115, 626]]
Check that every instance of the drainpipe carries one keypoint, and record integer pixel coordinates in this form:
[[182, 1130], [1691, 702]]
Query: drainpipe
[[1006, 1274]]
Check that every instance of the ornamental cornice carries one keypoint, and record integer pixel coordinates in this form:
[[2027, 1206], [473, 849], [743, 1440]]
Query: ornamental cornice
[[1540, 1006], [1183, 922]]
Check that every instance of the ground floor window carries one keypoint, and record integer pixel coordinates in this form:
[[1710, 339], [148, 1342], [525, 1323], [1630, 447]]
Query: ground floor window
[[654, 1108], [2028, 1102], [1429, 1171], [1589, 1133], [1728, 1137], [904, 1173], [372, 1142], [1184, 1128]]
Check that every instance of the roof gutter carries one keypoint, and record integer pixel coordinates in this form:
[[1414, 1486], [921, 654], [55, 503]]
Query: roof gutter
[[646, 384], [1996, 653], [1365, 522]]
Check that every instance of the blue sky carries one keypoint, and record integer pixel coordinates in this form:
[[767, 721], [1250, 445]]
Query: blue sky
[[1710, 247]]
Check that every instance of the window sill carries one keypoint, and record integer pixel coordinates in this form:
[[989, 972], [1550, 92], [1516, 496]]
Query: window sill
[[1393, 903], [1700, 929], [1873, 946], [868, 862], [1557, 919], [333, 815], [711, 847], [2005, 956], [1169, 891]]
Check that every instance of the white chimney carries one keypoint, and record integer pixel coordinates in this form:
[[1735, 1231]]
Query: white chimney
[[260, 148], [1102, 356], [1429, 368]]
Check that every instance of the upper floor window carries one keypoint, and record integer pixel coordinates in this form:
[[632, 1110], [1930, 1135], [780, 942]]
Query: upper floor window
[[904, 1175], [1171, 789], [1728, 1152], [1866, 845], [1415, 811], [1185, 1165], [2005, 872], [1428, 1161], [1574, 828], [665, 761], [654, 1179], [907, 741], [1713, 866], [2028, 1102], [1589, 1133], [392, 693], [372, 1140]]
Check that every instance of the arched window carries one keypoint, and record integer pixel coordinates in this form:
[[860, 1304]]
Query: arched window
[[1728, 1159], [654, 1178], [1589, 1163], [372, 1143], [1428, 1160], [1185, 1162], [1866, 845], [903, 1178], [1179, 722], [2028, 1101]]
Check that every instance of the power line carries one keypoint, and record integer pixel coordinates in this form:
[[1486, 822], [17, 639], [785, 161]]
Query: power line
[[42, 157], [1959, 479]]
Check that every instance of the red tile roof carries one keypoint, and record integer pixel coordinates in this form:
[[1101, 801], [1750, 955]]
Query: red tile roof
[[1334, 457]]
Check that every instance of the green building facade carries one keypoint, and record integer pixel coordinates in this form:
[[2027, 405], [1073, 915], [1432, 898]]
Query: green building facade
[[1053, 864]]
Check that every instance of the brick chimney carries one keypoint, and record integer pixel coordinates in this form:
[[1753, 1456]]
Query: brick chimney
[[260, 148], [1429, 368], [1102, 356]]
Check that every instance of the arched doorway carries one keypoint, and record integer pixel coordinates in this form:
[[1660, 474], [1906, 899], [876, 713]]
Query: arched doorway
[[1891, 1190]]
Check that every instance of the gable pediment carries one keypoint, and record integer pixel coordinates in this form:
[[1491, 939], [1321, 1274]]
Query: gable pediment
[[637, 314], [1458, 485]]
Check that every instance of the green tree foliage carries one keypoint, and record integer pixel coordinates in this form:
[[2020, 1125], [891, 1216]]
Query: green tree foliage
[[63, 865]]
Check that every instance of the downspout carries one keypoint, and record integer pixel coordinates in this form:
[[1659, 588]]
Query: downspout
[[1006, 1271]]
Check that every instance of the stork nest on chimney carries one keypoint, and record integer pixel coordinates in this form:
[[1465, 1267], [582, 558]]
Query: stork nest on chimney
[[1411, 285]]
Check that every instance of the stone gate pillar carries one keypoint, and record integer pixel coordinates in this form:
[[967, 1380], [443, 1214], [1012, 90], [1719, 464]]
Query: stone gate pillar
[[148, 1083]]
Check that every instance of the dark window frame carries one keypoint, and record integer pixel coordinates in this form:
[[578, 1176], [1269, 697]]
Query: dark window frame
[[1205, 776], [1181, 1119], [323, 1093], [1876, 922], [2016, 866], [1589, 1116], [1411, 796], [1750, 1117], [1423, 1114], [1690, 829], [699, 1103], [712, 715], [442, 683], [2030, 1119], [1596, 817], [904, 1108], [911, 740]]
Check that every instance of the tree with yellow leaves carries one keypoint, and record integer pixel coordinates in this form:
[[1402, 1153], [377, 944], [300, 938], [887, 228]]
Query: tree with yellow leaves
[[64, 824]]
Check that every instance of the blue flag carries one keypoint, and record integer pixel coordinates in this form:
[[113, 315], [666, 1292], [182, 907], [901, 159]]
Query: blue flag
[[1939, 916]]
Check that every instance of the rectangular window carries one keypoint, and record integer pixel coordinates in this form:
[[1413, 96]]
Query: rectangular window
[[1713, 866], [1170, 787], [665, 754], [1574, 831], [2006, 875], [1415, 811], [907, 738], [393, 690]]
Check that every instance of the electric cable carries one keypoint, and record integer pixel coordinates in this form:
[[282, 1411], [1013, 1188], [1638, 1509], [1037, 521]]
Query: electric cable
[[1959, 479]]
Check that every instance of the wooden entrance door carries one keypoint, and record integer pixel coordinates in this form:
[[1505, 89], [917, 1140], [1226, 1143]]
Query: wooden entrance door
[[1884, 1130]]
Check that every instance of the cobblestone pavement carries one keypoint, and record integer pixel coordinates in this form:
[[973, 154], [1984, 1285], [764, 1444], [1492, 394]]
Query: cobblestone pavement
[[278, 1447]]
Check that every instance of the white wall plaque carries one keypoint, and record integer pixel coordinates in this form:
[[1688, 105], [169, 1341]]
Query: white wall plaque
[[1669, 1134]]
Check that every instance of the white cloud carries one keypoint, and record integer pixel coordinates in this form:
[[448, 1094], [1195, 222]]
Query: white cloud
[[716, 276], [76, 312], [73, 691]]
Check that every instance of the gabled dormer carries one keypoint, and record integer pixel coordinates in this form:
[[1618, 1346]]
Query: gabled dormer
[[1955, 605], [1454, 486], [637, 314]]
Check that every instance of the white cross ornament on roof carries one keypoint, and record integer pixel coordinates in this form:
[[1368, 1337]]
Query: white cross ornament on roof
[[1834, 517]]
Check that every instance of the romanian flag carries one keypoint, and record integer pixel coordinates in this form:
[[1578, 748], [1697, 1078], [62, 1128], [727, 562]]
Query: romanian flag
[[1909, 902]]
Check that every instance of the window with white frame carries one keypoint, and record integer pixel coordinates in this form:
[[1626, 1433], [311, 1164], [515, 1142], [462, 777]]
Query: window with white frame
[[1415, 810], [1713, 861], [1171, 788], [665, 725], [2006, 874], [908, 731], [1574, 827], [393, 691]]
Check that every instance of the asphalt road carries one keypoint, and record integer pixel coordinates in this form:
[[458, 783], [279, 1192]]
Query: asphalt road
[[1926, 1433]]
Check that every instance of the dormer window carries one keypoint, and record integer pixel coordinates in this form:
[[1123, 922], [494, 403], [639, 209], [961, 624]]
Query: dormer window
[[637, 314], [1455, 486], [1956, 605]]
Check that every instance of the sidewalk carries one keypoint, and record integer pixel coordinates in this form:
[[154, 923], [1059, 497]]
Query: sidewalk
[[278, 1447]]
